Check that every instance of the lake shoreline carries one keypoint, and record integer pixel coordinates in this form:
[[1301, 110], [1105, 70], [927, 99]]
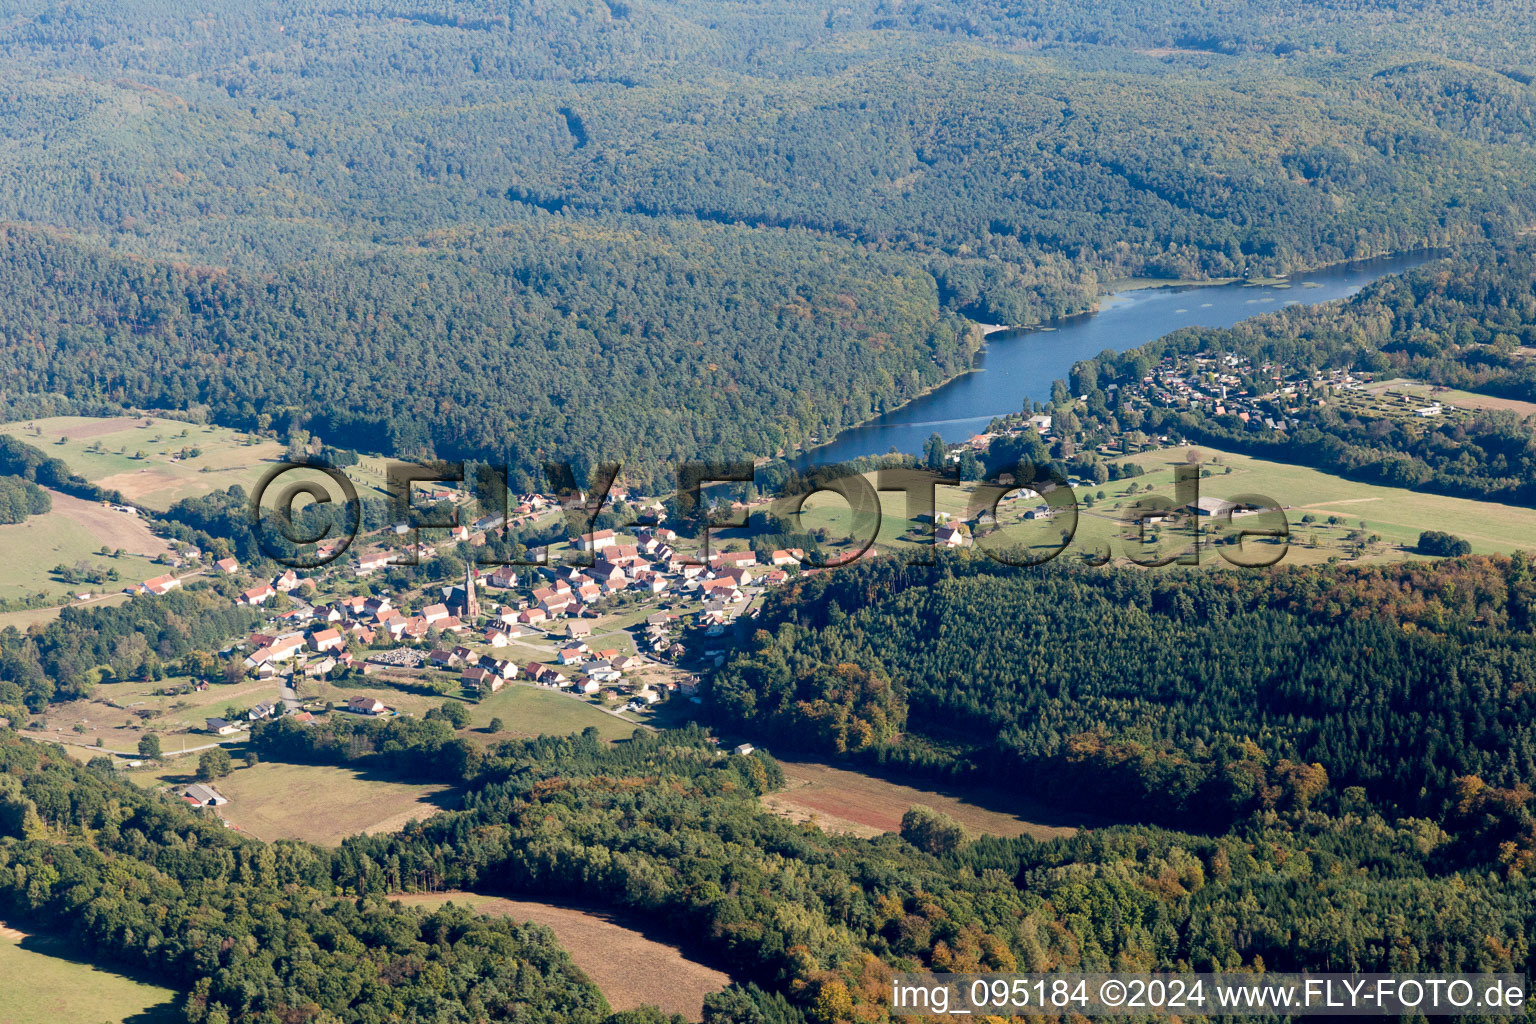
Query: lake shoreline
[[1154, 290]]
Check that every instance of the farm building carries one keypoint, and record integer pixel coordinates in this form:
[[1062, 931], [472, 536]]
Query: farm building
[[200, 795]]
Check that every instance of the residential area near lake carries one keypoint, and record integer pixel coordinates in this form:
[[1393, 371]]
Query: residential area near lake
[[750, 512]]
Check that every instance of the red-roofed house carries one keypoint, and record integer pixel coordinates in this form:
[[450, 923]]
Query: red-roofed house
[[258, 595], [327, 640], [160, 585], [599, 540]]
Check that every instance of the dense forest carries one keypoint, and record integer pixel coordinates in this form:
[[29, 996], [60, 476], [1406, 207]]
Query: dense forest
[[1464, 322], [651, 231], [1176, 696], [253, 932], [667, 828]]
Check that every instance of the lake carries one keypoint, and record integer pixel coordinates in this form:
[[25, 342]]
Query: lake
[[1019, 365]]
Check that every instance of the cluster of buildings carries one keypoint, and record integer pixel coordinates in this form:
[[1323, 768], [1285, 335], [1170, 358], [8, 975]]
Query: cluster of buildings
[[455, 633], [1216, 386], [1040, 424]]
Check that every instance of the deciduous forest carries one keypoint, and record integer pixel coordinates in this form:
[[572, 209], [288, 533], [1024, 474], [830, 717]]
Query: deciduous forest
[[527, 230], [648, 231]]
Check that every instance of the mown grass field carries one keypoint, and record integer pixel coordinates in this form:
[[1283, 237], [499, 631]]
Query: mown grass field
[[319, 803], [1398, 395], [839, 800], [72, 532], [111, 714], [627, 967], [43, 982], [1396, 514], [134, 455], [528, 711], [137, 455]]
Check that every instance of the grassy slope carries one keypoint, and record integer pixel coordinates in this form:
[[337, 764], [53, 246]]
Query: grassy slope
[[34, 547], [103, 450], [1397, 515], [321, 804], [40, 983]]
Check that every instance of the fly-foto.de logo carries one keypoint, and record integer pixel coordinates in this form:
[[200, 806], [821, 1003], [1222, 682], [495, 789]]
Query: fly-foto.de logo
[[307, 514]]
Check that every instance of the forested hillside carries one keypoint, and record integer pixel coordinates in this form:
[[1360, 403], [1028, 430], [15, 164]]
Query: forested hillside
[[252, 932], [1166, 695], [561, 228], [669, 828]]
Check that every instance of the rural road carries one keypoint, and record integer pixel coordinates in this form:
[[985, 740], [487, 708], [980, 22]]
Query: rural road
[[165, 755]]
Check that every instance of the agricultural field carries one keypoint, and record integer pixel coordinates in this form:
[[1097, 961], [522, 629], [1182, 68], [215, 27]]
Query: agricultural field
[[42, 981], [148, 459], [1395, 514], [839, 800], [142, 456], [317, 804], [525, 710], [1398, 397], [627, 967], [119, 713], [528, 711], [73, 534]]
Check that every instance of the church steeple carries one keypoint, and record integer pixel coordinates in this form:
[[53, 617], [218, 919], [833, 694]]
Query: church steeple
[[471, 597]]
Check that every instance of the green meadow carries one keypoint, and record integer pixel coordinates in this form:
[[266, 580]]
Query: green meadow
[[43, 982], [1394, 516]]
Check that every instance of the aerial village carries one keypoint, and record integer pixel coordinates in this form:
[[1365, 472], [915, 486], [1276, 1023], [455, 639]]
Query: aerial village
[[625, 624]]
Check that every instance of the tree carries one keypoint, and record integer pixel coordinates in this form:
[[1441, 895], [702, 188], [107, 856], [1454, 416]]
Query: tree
[[149, 746], [454, 713], [930, 831], [833, 1003], [970, 466], [213, 764], [1442, 544], [495, 725], [933, 452], [644, 1015]]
